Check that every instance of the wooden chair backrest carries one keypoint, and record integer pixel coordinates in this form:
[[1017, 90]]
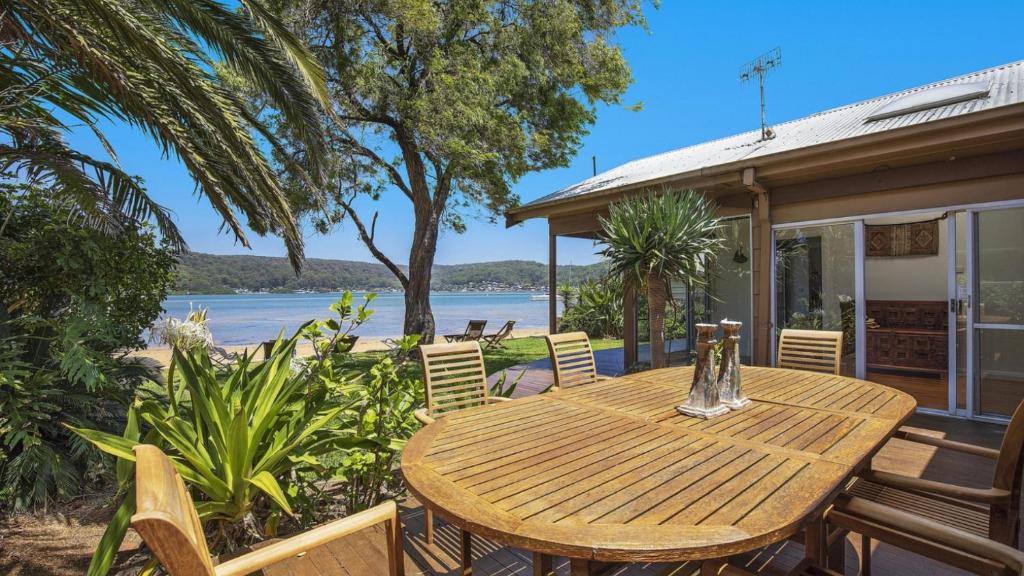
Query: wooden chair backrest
[[165, 516], [1004, 523], [455, 376], [813, 350], [572, 359]]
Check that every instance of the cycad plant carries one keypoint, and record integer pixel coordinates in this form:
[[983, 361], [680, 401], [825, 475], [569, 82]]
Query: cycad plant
[[154, 64], [653, 239]]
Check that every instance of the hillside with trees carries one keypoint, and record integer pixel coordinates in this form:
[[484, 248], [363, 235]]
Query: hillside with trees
[[214, 274]]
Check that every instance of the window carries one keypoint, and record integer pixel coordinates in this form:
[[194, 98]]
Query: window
[[930, 98]]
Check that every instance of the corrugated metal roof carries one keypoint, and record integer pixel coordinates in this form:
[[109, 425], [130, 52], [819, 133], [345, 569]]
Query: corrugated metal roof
[[1006, 88]]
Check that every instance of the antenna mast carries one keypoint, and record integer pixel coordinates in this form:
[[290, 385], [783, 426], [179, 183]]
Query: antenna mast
[[760, 67]]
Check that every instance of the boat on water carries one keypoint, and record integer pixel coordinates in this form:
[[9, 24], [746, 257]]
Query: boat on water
[[539, 298]]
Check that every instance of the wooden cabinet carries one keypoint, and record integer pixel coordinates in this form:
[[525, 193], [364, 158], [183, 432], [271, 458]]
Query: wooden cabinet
[[910, 336]]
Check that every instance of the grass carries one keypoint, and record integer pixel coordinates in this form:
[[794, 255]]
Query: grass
[[517, 351]]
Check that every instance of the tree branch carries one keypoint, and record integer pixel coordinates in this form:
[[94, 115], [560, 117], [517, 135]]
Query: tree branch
[[368, 240]]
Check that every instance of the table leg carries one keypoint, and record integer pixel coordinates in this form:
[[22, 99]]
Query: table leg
[[467, 553], [542, 565], [814, 541], [579, 567], [713, 567]]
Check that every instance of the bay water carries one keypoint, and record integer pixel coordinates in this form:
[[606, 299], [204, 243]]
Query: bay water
[[241, 319]]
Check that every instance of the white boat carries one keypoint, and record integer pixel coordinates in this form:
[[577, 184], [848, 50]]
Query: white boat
[[539, 298]]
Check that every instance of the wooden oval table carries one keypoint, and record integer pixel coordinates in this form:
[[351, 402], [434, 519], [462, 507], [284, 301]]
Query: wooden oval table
[[611, 472]]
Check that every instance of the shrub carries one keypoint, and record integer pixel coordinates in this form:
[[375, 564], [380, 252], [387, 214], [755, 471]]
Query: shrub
[[597, 309]]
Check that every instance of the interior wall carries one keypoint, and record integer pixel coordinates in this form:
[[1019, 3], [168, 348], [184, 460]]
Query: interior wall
[[908, 277]]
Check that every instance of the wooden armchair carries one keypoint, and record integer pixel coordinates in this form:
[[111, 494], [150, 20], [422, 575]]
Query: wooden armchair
[[572, 359], [961, 521], [813, 350], [166, 519], [979, 554], [455, 379]]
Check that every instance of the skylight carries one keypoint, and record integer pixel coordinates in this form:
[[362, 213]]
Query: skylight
[[931, 98]]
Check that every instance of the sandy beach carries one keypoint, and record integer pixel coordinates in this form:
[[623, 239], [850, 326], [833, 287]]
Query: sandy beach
[[163, 354]]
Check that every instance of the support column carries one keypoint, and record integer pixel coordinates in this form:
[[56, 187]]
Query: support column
[[761, 268], [552, 281], [629, 341]]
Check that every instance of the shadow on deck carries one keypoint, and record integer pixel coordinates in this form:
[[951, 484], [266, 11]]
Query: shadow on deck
[[534, 377]]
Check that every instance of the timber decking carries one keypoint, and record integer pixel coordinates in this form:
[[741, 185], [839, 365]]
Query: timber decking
[[611, 472]]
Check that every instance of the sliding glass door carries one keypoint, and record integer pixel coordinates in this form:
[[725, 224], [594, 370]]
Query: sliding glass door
[[816, 283], [997, 314]]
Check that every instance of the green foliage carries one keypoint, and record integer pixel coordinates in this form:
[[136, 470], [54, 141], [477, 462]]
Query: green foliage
[[150, 64], [671, 235], [598, 309], [450, 104], [215, 274], [78, 299], [56, 270], [256, 443]]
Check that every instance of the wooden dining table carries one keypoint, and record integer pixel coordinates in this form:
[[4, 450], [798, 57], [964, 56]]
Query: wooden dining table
[[611, 472]]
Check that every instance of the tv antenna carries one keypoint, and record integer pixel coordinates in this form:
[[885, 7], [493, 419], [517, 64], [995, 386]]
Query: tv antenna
[[760, 67]]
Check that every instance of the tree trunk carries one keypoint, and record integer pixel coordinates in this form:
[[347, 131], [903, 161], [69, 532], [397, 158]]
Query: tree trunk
[[419, 318], [657, 296]]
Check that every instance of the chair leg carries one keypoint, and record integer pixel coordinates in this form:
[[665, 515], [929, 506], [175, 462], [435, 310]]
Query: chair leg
[[865, 555], [467, 553], [396, 547], [429, 526], [542, 565]]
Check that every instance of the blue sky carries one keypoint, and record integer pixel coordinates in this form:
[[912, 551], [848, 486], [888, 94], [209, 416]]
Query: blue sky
[[685, 70]]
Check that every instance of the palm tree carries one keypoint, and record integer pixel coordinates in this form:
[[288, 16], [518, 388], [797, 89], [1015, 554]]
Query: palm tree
[[653, 239], [150, 63]]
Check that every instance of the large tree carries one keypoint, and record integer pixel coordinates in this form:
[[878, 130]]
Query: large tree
[[448, 104], [153, 64]]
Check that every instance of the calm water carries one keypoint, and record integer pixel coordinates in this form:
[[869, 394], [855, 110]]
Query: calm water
[[252, 318]]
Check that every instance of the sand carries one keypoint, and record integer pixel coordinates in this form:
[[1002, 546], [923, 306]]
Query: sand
[[163, 354]]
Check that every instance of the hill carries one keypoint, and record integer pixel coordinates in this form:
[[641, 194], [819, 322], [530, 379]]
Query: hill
[[200, 273]]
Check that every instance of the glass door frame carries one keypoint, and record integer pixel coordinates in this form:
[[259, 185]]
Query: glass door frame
[[860, 325], [974, 327]]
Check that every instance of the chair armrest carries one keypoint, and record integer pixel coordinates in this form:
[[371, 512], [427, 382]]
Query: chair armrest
[[856, 514], [298, 544], [493, 399], [980, 495], [423, 417], [905, 434]]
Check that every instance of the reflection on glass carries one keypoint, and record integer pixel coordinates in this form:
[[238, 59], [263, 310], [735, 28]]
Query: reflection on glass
[[729, 288], [1000, 371], [815, 283], [1001, 266]]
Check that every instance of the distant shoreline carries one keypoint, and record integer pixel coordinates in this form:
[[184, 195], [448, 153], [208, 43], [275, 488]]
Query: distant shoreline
[[362, 291], [162, 354]]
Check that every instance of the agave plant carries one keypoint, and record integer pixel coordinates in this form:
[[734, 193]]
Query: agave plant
[[653, 239], [237, 439]]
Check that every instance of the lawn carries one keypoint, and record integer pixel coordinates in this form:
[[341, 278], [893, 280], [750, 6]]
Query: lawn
[[517, 351]]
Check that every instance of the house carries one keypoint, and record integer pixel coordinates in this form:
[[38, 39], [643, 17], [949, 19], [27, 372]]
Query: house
[[898, 220]]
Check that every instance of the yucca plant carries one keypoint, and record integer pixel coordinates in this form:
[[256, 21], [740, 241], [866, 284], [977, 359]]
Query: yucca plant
[[239, 440], [658, 237]]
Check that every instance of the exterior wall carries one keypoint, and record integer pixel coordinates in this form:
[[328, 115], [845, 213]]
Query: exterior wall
[[939, 185]]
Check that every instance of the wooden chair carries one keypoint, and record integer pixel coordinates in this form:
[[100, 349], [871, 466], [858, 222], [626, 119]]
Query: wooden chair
[[572, 359], [166, 519], [980, 555], [813, 350], [455, 379], [474, 331], [496, 338], [960, 514]]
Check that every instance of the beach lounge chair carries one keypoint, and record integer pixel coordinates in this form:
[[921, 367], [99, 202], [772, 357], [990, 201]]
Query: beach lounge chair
[[474, 331], [496, 338], [221, 358]]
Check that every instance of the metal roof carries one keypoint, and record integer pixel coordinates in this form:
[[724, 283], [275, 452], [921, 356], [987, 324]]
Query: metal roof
[[1006, 87]]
